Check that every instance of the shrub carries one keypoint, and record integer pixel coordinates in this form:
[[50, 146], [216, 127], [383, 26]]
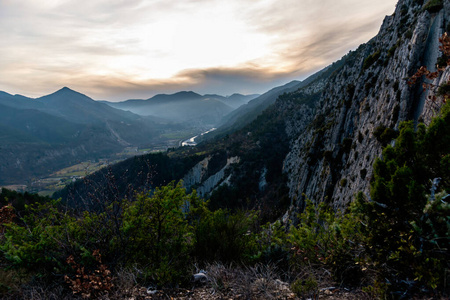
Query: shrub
[[224, 236], [160, 235], [363, 173], [384, 134], [406, 233], [444, 90], [408, 34], [328, 155], [34, 244], [371, 59], [305, 288], [328, 238], [433, 6], [391, 50], [346, 144], [156, 231]]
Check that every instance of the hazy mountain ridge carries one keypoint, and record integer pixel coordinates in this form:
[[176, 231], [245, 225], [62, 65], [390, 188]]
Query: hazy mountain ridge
[[44, 134], [250, 111], [41, 135], [185, 107]]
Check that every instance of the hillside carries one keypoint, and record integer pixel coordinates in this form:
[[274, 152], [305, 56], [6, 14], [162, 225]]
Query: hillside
[[40, 136]]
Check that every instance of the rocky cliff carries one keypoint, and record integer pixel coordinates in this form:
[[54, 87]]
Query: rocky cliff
[[335, 141]]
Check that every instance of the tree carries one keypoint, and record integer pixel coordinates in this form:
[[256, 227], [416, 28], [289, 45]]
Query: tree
[[407, 230]]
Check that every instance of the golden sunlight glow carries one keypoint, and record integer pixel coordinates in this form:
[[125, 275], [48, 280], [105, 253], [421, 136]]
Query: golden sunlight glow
[[111, 47]]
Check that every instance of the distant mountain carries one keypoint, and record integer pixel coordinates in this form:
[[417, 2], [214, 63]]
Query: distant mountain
[[70, 105], [40, 135], [235, 100], [79, 108], [183, 107], [34, 126], [21, 102], [247, 113]]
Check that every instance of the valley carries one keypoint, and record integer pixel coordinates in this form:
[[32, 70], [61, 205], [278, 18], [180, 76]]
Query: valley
[[42, 136], [58, 180]]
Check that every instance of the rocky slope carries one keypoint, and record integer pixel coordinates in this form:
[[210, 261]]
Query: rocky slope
[[334, 143]]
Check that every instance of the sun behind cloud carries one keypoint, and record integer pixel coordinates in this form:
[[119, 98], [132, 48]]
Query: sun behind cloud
[[123, 49]]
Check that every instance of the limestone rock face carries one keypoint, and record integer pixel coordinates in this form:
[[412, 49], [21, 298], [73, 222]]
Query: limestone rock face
[[198, 177], [333, 146]]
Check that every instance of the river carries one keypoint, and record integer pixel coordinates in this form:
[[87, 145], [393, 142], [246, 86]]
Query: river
[[191, 141]]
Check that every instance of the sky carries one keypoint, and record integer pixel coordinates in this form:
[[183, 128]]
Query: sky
[[124, 49]]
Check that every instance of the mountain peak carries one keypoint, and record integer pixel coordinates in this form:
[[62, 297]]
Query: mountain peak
[[183, 95], [187, 93], [66, 90]]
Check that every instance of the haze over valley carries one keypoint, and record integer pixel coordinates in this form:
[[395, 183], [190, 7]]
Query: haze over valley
[[43, 135]]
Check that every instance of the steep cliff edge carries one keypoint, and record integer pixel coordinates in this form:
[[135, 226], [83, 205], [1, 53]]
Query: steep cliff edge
[[335, 142]]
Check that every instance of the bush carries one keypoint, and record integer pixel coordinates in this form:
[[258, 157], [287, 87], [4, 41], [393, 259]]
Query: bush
[[433, 6], [444, 91], [305, 288], [328, 238], [407, 236], [371, 59], [224, 236], [159, 234], [156, 231], [384, 134]]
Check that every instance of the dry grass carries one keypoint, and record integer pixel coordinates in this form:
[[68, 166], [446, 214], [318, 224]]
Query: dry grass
[[257, 282]]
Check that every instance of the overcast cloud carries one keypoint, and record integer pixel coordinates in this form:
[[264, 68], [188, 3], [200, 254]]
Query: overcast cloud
[[121, 49]]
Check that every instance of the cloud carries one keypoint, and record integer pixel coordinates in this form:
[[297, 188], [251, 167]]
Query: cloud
[[119, 49]]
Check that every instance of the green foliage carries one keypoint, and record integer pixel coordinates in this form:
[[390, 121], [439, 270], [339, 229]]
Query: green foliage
[[305, 287], [433, 6], [161, 237], [224, 236], [407, 233], [161, 232], [19, 200], [391, 50], [371, 59], [271, 245], [444, 90], [34, 243], [384, 134], [442, 62], [324, 237]]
